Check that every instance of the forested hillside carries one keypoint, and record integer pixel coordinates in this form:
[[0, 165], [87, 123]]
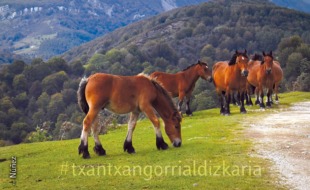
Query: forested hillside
[[38, 100], [48, 28]]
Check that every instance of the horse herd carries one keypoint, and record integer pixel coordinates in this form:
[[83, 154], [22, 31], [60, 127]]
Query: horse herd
[[152, 94]]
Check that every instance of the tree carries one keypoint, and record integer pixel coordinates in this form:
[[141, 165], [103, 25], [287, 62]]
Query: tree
[[6, 104], [55, 106], [293, 66], [43, 101], [17, 67], [21, 101], [54, 83], [20, 83], [35, 89]]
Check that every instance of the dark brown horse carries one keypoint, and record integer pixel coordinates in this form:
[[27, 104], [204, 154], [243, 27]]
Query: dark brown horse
[[230, 77], [124, 94], [182, 84], [265, 74]]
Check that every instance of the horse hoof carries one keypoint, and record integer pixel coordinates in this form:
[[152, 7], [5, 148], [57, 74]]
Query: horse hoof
[[161, 144], [243, 112], [128, 147], [83, 149], [99, 150], [86, 155], [164, 146]]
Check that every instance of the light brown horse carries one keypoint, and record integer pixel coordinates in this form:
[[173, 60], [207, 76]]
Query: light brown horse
[[268, 74], [250, 89], [230, 77], [124, 94], [278, 76], [182, 84]]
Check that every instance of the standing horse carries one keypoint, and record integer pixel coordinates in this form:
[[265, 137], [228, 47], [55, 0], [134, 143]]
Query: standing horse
[[278, 76], [182, 83], [124, 94], [261, 76], [230, 77], [250, 89]]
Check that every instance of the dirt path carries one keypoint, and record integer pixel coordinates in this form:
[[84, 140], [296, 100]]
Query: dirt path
[[284, 138]]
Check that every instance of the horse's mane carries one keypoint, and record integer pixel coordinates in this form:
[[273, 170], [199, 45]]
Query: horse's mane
[[234, 57], [163, 91], [257, 57], [233, 60], [198, 62]]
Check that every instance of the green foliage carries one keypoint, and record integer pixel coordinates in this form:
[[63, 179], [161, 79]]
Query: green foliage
[[53, 83], [45, 91], [39, 135]]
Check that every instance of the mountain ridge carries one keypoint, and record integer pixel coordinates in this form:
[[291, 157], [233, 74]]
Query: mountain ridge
[[48, 28]]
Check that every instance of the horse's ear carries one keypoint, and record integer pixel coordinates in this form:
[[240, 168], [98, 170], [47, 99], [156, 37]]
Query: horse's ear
[[245, 51], [264, 53], [237, 52], [270, 53], [198, 61], [177, 116]]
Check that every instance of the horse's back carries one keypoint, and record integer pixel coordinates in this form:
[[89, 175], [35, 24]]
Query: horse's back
[[169, 81], [120, 94]]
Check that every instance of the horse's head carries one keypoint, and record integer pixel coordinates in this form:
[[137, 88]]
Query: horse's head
[[204, 71], [240, 59], [267, 62], [173, 129]]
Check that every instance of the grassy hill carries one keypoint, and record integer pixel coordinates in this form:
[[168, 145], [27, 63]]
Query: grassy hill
[[215, 155]]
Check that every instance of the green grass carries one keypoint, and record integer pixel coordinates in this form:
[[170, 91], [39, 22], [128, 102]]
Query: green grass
[[215, 154]]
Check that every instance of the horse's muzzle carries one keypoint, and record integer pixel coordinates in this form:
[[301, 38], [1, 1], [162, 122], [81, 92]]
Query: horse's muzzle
[[245, 73], [210, 79], [177, 143]]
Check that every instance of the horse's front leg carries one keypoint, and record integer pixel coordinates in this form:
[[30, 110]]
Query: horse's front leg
[[131, 127], [99, 150], [149, 111], [242, 108], [261, 97], [269, 98]]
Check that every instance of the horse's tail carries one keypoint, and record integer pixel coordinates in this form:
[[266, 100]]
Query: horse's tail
[[81, 95]]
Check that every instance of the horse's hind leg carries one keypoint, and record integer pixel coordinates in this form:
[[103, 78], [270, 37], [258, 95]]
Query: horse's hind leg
[[221, 100], [99, 150], [87, 122], [188, 109], [131, 127]]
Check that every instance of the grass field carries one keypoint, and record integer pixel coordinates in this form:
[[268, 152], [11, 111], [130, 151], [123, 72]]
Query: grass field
[[215, 154]]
